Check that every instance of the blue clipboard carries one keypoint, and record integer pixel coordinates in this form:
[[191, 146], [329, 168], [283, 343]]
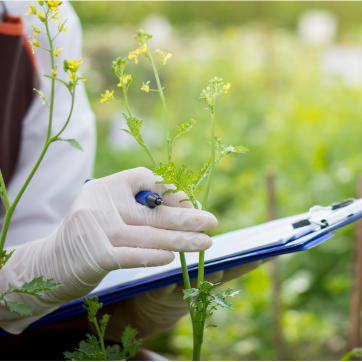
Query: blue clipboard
[[74, 309]]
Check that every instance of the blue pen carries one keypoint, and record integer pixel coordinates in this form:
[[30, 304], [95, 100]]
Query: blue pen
[[147, 198]]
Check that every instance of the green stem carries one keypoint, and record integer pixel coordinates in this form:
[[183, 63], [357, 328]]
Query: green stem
[[10, 211], [4, 193], [160, 91], [100, 335], [55, 138], [200, 277], [53, 81]]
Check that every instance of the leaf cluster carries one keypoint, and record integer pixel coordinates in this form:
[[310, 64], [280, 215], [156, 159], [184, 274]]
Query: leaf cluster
[[90, 349], [356, 353], [205, 302], [93, 348], [182, 178], [134, 124]]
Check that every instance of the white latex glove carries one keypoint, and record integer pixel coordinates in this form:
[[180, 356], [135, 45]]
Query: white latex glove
[[157, 311], [105, 229]]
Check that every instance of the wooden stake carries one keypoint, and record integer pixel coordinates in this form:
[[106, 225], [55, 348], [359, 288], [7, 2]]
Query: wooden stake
[[354, 339], [274, 267]]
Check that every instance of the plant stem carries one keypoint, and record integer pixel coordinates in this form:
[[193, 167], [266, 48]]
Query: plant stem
[[4, 193], [200, 277], [53, 81], [160, 91], [100, 335]]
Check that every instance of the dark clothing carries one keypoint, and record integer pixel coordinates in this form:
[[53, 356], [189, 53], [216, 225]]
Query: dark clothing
[[17, 70]]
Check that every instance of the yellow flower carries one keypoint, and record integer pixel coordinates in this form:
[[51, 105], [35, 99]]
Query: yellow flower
[[158, 51], [41, 16], [107, 96], [138, 52], [146, 87], [41, 95], [226, 87], [165, 58], [57, 50], [34, 43], [54, 72], [36, 30], [53, 5], [32, 9], [73, 65], [127, 79], [62, 28]]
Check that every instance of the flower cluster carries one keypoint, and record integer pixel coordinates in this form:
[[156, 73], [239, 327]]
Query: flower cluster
[[108, 96], [126, 81], [138, 52], [146, 87], [72, 66], [216, 86], [51, 11]]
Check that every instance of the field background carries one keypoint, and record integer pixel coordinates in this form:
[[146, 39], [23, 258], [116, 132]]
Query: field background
[[294, 102]]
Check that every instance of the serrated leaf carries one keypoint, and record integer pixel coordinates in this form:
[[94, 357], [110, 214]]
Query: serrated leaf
[[205, 287], [104, 321], [129, 343], [5, 257], [92, 305], [230, 149], [182, 178], [84, 347], [183, 129], [211, 326], [113, 353], [134, 124], [229, 292], [84, 356], [221, 302], [74, 143], [193, 292], [35, 287], [22, 309]]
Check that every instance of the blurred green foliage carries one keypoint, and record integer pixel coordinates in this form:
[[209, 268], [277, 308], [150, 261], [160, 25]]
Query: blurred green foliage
[[292, 117]]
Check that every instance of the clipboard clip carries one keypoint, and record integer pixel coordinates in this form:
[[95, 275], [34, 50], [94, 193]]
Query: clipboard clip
[[326, 216]]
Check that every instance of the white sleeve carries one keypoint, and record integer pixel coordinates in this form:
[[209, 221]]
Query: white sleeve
[[64, 168]]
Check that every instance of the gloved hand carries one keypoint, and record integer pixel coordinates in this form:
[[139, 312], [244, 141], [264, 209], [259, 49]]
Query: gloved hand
[[157, 311], [105, 229]]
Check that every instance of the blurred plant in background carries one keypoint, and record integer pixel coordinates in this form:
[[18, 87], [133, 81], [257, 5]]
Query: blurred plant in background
[[297, 105]]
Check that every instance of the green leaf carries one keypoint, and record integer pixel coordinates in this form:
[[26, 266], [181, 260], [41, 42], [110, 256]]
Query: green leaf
[[92, 305], [22, 309], [357, 352], [129, 343], [35, 287], [73, 143], [104, 322], [221, 302], [183, 129], [230, 149], [211, 326], [84, 348], [134, 124], [5, 257], [193, 292], [205, 287], [113, 353], [182, 178], [229, 292], [80, 355]]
